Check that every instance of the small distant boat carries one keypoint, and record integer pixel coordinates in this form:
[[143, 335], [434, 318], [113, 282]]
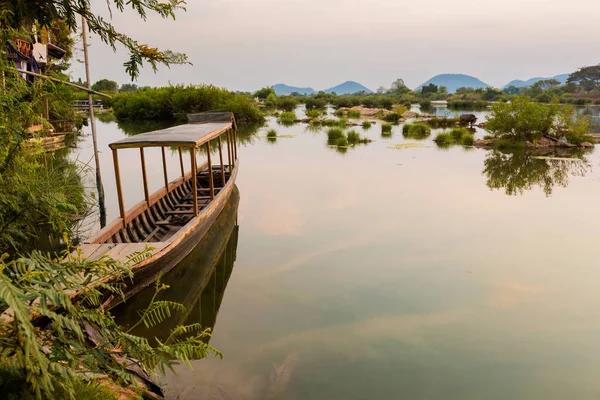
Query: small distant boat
[[175, 218]]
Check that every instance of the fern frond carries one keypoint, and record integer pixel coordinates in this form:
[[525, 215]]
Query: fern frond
[[158, 311]]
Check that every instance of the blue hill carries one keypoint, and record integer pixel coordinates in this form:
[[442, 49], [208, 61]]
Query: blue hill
[[348, 87], [284, 90], [455, 81], [519, 83]]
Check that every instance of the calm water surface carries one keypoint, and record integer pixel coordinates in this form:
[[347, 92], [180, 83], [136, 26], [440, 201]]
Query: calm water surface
[[384, 273]]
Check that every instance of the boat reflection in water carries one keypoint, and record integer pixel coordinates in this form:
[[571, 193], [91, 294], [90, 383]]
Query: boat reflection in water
[[198, 282]]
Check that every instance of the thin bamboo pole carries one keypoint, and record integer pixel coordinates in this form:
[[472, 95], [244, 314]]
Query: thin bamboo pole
[[194, 180], [181, 163], [145, 177], [119, 188], [99, 185], [221, 159], [210, 171], [164, 160]]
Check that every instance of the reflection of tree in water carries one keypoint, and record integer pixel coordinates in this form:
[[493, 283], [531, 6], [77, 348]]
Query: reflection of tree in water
[[517, 172]]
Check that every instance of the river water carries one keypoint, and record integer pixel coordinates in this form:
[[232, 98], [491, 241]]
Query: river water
[[382, 273]]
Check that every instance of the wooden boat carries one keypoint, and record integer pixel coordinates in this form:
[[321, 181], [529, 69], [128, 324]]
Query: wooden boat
[[174, 219]]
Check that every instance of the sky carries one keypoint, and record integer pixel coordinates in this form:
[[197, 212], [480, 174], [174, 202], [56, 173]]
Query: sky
[[248, 44]]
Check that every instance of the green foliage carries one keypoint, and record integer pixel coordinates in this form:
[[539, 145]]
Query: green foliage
[[468, 104], [128, 87], [353, 114], [509, 145], [271, 133], [106, 85], [288, 117], [425, 104], [312, 103], [522, 119], [341, 141], [50, 339], [355, 138], [416, 131], [313, 113], [19, 13], [460, 136], [392, 117], [574, 127], [438, 122], [366, 125], [386, 129], [334, 134], [166, 102], [264, 92], [588, 78], [287, 103], [271, 100], [444, 139]]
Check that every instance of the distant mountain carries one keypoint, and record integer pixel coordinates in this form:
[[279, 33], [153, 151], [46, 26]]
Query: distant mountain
[[455, 81], [348, 87], [519, 83], [284, 90]]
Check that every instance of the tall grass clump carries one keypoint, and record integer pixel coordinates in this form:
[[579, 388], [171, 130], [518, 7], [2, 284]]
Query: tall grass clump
[[355, 138], [440, 122], [460, 136], [313, 113], [287, 117], [386, 129], [341, 141], [416, 131], [366, 125], [392, 117], [334, 134], [353, 114], [272, 133], [444, 139]]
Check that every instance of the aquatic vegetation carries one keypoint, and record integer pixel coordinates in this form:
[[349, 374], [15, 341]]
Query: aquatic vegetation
[[509, 145], [386, 129], [287, 103], [167, 102], [355, 138], [444, 139], [401, 146], [313, 113], [416, 131], [468, 104], [342, 122], [392, 117], [460, 136], [315, 103], [334, 134], [339, 113], [271, 133], [425, 104], [341, 141], [287, 117], [366, 125], [353, 114], [438, 122]]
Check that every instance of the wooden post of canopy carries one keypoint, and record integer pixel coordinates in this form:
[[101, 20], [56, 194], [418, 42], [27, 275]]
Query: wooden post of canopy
[[181, 163], [194, 180], [119, 188], [164, 160], [145, 176], [229, 152], [233, 133], [221, 159], [210, 171]]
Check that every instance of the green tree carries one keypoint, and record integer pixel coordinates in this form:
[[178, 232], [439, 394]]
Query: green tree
[[431, 88], [106, 85], [264, 92], [128, 87], [588, 78]]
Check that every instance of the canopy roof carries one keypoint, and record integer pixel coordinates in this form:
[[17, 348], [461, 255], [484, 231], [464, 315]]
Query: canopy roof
[[200, 129]]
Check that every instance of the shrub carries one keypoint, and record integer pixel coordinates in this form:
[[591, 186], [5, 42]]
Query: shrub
[[467, 139], [312, 103], [509, 144], [342, 122], [416, 131], [444, 139], [287, 117], [439, 122], [522, 119], [386, 102], [468, 104], [366, 124], [386, 129], [392, 117], [341, 141], [271, 133], [353, 114], [339, 113], [287, 103], [400, 109], [457, 133], [353, 137], [425, 104], [313, 113], [334, 134]]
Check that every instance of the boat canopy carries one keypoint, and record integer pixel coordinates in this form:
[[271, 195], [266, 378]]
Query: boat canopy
[[200, 129]]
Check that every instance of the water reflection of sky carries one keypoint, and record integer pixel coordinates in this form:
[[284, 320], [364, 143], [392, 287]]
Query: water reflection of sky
[[385, 273]]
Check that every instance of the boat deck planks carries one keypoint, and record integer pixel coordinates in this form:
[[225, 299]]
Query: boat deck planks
[[118, 251]]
